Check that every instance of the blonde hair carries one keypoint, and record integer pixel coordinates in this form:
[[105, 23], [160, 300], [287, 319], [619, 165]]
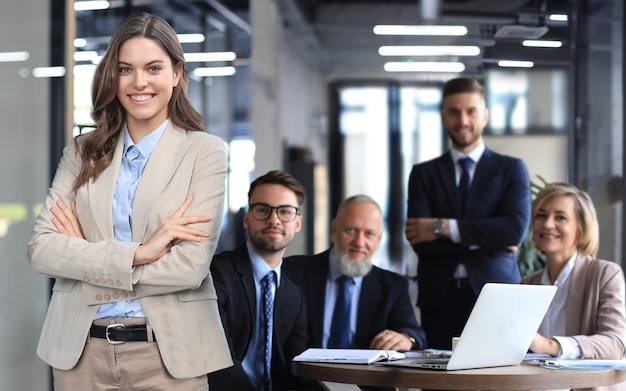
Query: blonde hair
[[589, 240]]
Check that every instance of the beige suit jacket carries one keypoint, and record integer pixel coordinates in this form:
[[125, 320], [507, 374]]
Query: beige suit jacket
[[596, 310], [176, 292]]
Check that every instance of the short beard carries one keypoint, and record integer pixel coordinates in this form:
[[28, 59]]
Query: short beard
[[349, 268]]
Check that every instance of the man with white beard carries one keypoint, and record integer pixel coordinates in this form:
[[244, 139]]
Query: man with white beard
[[350, 302]]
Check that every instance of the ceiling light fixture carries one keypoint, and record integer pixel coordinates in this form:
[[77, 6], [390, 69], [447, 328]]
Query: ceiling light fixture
[[541, 44], [214, 71], [429, 50], [190, 38], [14, 56], [515, 64], [85, 55], [412, 66], [558, 17], [91, 5], [49, 72], [210, 56], [433, 30]]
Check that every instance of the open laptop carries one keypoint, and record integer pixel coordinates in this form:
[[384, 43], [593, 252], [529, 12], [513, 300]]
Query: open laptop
[[499, 330]]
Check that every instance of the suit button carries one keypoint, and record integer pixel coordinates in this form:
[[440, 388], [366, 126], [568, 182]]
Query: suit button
[[116, 295], [102, 281], [86, 278], [118, 283], [110, 282], [99, 297], [124, 295], [132, 294], [107, 297]]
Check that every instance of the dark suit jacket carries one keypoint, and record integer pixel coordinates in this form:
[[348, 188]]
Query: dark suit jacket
[[234, 282], [384, 302], [497, 215]]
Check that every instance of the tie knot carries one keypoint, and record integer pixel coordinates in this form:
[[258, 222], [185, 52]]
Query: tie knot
[[466, 162], [269, 278], [345, 281]]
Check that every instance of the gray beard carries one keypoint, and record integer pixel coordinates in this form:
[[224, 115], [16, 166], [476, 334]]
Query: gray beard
[[349, 268]]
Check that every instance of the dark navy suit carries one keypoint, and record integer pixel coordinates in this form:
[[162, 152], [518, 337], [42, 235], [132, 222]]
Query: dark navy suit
[[234, 282], [496, 216], [384, 302]]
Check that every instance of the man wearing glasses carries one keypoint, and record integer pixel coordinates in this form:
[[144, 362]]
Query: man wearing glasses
[[262, 310]]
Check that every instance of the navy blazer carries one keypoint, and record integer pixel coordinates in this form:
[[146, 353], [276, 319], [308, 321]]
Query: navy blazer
[[384, 302], [497, 216], [234, 282]]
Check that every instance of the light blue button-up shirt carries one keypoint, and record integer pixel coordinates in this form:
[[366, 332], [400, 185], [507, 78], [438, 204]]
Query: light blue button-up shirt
[[253, 360], [133, 163]]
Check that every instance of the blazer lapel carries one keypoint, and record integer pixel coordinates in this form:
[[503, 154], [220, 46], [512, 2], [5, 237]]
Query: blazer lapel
[[170, 150], [484, 171], [446, 172], [368, 303], [102, 191], [244, 268]]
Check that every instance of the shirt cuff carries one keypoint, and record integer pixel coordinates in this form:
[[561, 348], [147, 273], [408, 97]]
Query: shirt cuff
[[570, 349], [455, 235]]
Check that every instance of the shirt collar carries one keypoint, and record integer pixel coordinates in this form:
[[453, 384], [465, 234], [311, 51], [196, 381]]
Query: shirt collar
[[475, 153], [148, 143], [260, 268], [563, 275]]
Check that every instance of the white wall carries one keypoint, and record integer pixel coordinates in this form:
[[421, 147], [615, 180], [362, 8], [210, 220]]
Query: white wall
[[24, 25]]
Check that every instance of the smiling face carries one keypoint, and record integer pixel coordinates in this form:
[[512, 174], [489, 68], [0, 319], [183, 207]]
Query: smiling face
[[464, 115], [556, 229], [146, 79], [357, 231], [271, 236]]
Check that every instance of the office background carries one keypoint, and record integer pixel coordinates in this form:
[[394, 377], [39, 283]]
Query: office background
[[310, 95]]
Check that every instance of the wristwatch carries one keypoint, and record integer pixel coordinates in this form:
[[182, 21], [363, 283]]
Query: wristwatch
[[438, 227], [413, 341]]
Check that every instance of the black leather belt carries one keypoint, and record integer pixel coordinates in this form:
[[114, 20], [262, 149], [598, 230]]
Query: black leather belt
[[117, 333], [461, 283]]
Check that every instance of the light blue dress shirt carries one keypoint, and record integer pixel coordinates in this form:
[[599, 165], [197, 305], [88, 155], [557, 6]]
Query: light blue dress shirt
[[133, 163], [253, 360], [332, 290]]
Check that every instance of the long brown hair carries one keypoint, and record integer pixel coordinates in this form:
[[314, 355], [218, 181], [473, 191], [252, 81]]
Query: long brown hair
[[96, 148]]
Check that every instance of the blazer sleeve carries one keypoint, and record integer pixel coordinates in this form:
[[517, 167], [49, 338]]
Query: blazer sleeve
[[603, 323]]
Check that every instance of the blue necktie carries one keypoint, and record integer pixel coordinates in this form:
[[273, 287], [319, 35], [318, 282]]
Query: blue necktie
[[464, 183], [340, 326], [268, 312]]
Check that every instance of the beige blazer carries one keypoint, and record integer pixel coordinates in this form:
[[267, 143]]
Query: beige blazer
[[596, 310], [176, 292]]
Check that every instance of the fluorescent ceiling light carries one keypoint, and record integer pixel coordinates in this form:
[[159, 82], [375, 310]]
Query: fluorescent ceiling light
[[49, 72], [429, 50], [456, 31], [214, 71], [87, 55], [424, 67], [190, 38], [515, 64], [542, 44], [80, 42], [558, 17], [210, 56], [91, 5], [14, 56]]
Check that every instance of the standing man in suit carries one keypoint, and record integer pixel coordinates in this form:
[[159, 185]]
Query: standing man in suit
[[380, 314], [465, 221], [272, 220]]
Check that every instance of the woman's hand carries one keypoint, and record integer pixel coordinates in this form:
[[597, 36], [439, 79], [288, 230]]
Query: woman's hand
[[65, 220], [543, 345], [170, 230]]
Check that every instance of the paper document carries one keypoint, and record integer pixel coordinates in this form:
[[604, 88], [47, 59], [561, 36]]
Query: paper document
[[556, 363], [348, 356]]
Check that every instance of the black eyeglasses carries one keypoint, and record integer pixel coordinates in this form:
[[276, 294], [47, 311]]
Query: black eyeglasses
[[285, 213]]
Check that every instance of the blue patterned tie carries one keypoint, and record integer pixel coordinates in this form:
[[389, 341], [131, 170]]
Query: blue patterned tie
[[340, 326], [268, 311], [464, 183]]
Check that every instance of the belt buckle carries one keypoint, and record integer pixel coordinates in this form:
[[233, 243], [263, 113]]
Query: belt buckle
[[106, 333]]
